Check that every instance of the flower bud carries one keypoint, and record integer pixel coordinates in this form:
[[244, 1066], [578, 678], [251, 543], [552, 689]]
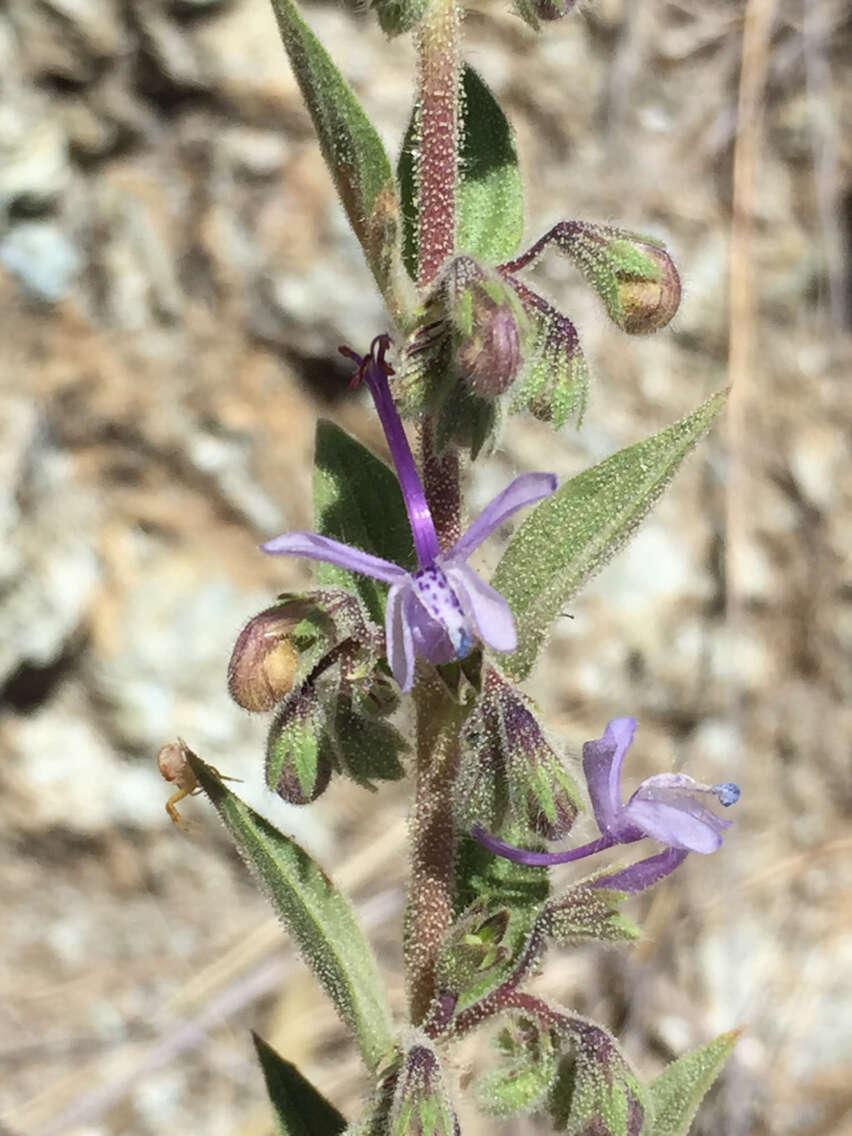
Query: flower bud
[[421, 1106], [634, 275], [299, 749], [264, 660], [488, 328]]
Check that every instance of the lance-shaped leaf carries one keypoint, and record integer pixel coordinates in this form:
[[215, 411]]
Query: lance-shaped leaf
[[679, 1089], [489, 193], [350, 145], [357, 500], [316, 914], [575, 532], [300, 1110]]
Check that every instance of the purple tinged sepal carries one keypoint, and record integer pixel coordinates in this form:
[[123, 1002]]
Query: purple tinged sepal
[[509, 770], [299, 749], [596, 1091], [554, 384], [421, 1103]]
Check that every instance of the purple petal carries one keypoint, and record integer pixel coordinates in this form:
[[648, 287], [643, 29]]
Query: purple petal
[[315, 547], [644, 873], [419, 515], [524, 490], [669, 807], [398, 637], [688, 824], [486, 609], [436, 598], [602, 762]]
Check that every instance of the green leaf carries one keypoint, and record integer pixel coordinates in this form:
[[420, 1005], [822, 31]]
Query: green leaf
[[679, 1089], [350, 145], [574, 533], [300, 1110], [489, 194], [316, 914], [519, 1087], [490, 199], [357, 500]]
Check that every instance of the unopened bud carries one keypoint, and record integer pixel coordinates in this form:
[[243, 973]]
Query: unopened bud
[[634, 275], [299, 751], [264, 660], [488, 328], [421, 1106]]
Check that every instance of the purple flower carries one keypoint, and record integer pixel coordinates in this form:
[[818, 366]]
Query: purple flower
[[440, 609], [668, 807]]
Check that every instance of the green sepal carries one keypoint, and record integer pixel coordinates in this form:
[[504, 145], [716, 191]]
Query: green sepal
[[300, 753], [596, 1090], [489, 191], [679, 1089], [554, 383], [299, 1108], [316, 914], [523, 1083], [526, 10], [352, 150], [357, 500], [584, 913], [368, 748], [577, 530]]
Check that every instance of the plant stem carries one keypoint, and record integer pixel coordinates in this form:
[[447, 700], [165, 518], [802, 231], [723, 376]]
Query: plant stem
[[430, 900], [438, 51]]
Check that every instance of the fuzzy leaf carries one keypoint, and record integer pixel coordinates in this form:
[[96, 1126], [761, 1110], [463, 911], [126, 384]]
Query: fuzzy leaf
[[350, 144], [679, 1089], [357, 499], [583, 913], [574, 533], [316, 914], [489, 194], [300, 1110]]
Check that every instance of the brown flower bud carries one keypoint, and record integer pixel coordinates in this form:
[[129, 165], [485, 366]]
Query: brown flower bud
[[264, 660], [634, 275]]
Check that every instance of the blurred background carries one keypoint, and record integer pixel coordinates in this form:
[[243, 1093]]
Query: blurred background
[[175, 278]]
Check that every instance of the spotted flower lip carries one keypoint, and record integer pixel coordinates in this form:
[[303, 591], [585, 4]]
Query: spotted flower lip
[[443, 607], [667, 807]]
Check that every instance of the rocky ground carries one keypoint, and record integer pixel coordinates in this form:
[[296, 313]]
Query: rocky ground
[[175, 276]]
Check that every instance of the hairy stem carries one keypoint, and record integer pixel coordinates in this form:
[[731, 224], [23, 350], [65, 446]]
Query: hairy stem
[[430, 900], [438, 51]]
